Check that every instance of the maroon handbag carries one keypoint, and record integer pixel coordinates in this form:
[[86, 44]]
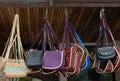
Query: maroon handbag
[[111, 65], [74, 53]]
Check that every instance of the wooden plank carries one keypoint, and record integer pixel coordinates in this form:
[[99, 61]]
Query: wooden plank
[[23, 0], [62, 1], [85, 1], [107, 3]]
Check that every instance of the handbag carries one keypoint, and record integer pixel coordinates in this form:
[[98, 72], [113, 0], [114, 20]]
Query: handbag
[[53, 59], [2, 58], [103, 64], [15, 65], [113, 64], [74, 53], [34, 56], [86, 58], [104, 53]]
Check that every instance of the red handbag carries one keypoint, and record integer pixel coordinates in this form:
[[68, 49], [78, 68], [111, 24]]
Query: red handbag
[[74, 53], [73, 59], [116, 59], [111, 65]]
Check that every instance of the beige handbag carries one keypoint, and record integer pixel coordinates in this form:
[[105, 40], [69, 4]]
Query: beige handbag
[[15, 66], [6, 49]]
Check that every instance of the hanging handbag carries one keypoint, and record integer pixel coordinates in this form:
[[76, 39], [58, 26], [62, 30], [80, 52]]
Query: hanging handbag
[[110, 64], [53, 60], [86, 58], [34, 56], [2, 58], [15, 65], [74, 53], [105, 52], [116, 59], [104, 64]]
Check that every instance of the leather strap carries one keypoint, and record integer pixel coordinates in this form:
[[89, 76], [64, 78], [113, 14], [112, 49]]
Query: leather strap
[[107, 27], [64, 35], [55, 37], [76, 34], [44, 42], [52, 35], [37, 38]]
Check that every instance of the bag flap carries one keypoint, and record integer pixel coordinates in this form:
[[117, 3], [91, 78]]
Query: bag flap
[[105, 52], [53, 59]]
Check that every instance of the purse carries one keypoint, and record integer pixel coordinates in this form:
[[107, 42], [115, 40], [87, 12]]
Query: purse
[[105, 53], [74, 52], [15, 66], [116, 59], [86, 58], [2, 58], [34, 56], [106, 62], [53, 60]]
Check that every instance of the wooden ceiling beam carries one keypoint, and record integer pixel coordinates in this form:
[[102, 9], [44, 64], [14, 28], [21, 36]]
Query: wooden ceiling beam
[[60, 3]]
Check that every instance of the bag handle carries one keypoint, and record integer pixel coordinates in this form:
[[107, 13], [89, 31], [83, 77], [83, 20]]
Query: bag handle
[[64, 34], [7, 50], [107, 26], [19, 43], [52, 32], [104, 27], [76, 34], [6, 45], [49, 39], [37, 38], [9, 47], [16, 38], [72, 34]]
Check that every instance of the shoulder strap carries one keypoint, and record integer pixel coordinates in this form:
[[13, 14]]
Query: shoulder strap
[[76, 34], [107, 26], [37, 38]]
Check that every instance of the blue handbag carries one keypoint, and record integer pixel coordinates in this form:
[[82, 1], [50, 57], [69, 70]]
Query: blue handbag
[[34, 56], [87, 59]]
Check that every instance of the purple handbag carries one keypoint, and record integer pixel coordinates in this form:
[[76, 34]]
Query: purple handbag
[[53, 60]]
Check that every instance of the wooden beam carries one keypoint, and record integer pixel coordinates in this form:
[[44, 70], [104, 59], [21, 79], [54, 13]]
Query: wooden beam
[[65, 1], [60, 3], [23, 0]]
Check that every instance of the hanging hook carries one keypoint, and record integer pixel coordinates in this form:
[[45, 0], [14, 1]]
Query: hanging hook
[[102, 12], [46, 13], [66, 13]]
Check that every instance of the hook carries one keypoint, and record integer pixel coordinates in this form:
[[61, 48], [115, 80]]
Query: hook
[[46, 13], [102, 12]]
